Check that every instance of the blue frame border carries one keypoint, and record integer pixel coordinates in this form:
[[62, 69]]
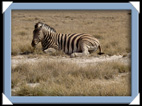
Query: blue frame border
[[71, 99]]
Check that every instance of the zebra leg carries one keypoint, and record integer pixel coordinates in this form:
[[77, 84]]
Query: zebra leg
[[79, 54], [84, 52], [49, 51]]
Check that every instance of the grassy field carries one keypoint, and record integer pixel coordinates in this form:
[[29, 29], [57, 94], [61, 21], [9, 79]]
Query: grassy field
[[69, 79], [112, 28], [42, 78]]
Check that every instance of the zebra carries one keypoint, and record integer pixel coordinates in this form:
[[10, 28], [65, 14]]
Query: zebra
[[75, 44]]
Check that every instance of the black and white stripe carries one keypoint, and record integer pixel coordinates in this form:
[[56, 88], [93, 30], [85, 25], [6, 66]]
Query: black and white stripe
[[69, 43]]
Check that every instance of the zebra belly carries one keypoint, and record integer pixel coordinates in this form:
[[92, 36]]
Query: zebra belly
[[72, 51]]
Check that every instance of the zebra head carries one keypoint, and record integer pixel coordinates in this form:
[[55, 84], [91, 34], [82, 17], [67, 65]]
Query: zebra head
[[41, 30], [37, 36]]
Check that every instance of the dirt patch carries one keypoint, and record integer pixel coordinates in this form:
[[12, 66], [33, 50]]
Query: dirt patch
[[21, 59]]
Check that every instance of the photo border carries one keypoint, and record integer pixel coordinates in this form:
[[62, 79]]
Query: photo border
[[71, 99]]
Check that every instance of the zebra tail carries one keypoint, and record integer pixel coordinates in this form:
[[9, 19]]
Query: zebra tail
[[100, 50]]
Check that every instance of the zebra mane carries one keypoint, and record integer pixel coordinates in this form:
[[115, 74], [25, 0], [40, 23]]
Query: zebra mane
[[49, 28]]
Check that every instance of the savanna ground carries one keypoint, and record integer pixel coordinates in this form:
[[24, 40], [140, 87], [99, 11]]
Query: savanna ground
[[34, 73]]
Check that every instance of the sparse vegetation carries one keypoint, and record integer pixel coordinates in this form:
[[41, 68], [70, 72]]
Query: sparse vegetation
[[69, 79], [111, 28]]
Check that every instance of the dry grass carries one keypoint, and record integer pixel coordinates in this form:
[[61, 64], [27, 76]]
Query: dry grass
[[112, 28], [69, 79]]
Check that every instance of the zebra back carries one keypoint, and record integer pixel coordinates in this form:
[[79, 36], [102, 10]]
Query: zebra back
[[70, 43]]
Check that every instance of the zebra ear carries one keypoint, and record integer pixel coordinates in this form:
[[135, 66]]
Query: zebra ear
[[38, 25]]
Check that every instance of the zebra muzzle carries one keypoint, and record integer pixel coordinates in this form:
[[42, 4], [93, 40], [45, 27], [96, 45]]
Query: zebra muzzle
[[33, 44]]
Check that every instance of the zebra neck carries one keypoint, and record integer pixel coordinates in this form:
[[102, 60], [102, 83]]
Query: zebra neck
[[49, 41]]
